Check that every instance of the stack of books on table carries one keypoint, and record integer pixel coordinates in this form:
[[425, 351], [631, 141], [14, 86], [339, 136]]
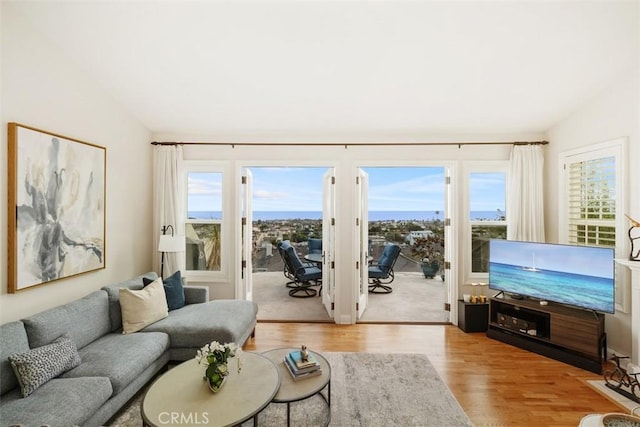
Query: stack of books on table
[[300, 369]]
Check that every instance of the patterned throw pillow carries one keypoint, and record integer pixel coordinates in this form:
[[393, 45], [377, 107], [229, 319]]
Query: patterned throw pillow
[[36, 367]]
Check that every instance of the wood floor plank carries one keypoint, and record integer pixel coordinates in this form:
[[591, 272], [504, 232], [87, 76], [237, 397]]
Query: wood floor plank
[[496, 384]]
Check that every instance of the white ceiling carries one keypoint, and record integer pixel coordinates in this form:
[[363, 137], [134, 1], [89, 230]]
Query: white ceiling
[[345, 69]]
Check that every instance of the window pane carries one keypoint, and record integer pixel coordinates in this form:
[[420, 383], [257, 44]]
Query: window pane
[[204, 195], [487, 196], [592, 235], [592, 201], [203, 246], [480, 236]]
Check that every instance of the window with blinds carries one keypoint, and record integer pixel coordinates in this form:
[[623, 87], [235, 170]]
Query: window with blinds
[[591, 201]]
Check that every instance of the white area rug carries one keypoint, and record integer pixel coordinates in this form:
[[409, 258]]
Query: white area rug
[[367, 390]]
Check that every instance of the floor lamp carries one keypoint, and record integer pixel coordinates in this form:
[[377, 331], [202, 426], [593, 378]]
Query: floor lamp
[[169, 243]]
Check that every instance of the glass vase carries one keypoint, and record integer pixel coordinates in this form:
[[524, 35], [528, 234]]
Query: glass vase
[[216, 388], [216, 377]]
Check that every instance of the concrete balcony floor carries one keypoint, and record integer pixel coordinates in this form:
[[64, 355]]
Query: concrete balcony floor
[[414, 299]]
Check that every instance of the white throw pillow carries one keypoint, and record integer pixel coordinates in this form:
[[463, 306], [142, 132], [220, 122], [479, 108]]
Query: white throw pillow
[[144, 307]]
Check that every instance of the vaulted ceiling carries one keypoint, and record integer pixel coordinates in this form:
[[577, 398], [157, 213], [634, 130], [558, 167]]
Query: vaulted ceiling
[[345, 70]]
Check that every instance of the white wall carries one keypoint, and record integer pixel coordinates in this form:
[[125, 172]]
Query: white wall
[[41, 88], [613, 113]]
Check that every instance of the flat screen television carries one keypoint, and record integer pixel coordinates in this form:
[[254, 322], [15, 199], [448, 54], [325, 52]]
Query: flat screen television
[[579, 276]]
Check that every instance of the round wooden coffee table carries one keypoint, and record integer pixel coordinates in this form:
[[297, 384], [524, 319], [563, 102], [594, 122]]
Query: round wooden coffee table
[[181, 396], [293, 391]]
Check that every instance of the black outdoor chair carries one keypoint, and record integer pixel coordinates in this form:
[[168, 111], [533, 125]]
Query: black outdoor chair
[[302, 275], [381, 272]]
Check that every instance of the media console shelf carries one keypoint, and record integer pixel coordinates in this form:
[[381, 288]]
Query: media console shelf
[[571, 335]]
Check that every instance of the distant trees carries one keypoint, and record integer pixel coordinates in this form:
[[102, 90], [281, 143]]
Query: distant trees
[[412, 226], [394, 236]]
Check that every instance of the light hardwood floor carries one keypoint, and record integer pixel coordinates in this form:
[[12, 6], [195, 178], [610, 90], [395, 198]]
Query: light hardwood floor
[[496, 384]]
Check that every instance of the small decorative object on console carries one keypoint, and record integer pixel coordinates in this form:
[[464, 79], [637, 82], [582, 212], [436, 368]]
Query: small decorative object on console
[[216, 356], [478, 299]]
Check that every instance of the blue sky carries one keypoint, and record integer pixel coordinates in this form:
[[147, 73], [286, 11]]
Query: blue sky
[[390, 189], [483, 191], [406, 189], [205, 191], [287, 189]]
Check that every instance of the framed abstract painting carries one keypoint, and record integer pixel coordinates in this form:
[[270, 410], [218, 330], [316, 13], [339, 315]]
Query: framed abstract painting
[[56, 217]]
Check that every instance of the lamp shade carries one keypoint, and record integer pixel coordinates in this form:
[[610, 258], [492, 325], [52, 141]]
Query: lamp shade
[[169, 243]]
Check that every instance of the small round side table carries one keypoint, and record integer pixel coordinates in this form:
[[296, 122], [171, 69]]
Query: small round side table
[[294, 391]]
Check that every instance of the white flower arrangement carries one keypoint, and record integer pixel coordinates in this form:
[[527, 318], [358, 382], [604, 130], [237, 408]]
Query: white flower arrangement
[[216, 352], [215, 356]]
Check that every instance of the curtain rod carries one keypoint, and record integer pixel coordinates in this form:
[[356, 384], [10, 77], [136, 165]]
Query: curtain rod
[[351, 144]]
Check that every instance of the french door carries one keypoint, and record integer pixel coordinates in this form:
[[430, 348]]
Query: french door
[[247, 235], [328, 240], [362, 241]]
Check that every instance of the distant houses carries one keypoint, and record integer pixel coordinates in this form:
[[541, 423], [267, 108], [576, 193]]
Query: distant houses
[[418, 234]]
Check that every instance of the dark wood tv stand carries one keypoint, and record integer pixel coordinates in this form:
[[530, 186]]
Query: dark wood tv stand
[[571, 335]]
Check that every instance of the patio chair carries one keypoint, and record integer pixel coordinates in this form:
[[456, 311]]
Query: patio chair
[[314, 252], [302, 275], [314, 246], [381, 271]]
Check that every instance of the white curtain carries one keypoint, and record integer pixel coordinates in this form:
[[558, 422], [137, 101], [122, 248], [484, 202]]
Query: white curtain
[[167, 203], [525, 210]]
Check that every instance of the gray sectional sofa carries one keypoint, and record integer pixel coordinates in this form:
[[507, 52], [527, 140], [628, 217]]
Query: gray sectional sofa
[[114, 366]]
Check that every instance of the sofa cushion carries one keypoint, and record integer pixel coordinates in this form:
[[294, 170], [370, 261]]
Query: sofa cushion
[[195, 325], [196, 294], [121, 358], [113, 292], [144, 307], [13, 339], [85, 320], [173, 289], [60, 402], [35, 367]]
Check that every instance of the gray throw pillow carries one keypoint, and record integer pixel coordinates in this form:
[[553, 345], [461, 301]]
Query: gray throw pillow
[[36, 367]]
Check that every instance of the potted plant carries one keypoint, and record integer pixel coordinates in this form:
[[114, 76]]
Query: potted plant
[[429, 251], [216, 357]]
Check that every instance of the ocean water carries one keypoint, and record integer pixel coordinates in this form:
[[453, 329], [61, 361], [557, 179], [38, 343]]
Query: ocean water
[[595, 293], [373, 215]]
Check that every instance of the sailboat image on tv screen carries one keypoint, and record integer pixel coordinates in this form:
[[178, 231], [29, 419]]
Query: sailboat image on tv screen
[[532, 267]]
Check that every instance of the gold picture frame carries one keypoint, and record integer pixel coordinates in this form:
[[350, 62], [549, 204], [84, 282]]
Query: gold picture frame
[[56, 217]]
